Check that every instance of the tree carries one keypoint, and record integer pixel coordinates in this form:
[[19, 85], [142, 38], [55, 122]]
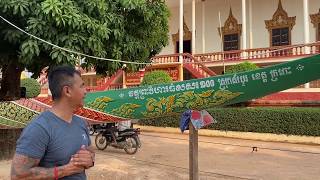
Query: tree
[[156, 77], [129, 30], [32, 87], [242, 67]]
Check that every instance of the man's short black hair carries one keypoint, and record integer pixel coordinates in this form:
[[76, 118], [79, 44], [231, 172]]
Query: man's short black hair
[[59, 77]]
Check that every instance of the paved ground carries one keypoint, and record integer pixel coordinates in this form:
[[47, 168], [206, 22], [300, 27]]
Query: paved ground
[[166, 157]]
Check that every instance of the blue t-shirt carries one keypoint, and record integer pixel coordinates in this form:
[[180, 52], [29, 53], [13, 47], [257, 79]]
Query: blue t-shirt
[[54, 141]]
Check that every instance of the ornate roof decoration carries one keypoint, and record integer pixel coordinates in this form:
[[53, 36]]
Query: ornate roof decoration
[[315, 18], [280, 19], [92, 116], [231, 25], [187, 34]]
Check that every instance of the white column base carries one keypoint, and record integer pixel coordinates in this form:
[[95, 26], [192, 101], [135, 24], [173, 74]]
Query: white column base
[[307, 85]]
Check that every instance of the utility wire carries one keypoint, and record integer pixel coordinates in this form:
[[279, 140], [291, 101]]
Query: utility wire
[[68, 50]]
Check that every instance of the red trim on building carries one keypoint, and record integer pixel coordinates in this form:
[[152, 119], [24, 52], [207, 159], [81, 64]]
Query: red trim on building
[[302, 96], [297, 99]]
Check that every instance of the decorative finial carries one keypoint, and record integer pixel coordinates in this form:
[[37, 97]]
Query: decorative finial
[[280, 5], [230, 12]]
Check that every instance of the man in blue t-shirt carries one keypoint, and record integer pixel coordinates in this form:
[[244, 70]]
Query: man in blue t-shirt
[[56, 144]]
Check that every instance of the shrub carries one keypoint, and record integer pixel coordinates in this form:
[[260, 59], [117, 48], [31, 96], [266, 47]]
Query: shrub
[[242, 67], [32, 87], [290, 121], [156, 77]]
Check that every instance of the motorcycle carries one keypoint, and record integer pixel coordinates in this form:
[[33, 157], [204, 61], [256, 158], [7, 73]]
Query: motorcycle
[[127, 139], [96, 128]]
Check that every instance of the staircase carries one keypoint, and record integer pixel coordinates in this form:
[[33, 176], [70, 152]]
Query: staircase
[[108, 83], [194, 66]]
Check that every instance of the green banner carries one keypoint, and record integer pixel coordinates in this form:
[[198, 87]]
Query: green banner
[[198, 94]]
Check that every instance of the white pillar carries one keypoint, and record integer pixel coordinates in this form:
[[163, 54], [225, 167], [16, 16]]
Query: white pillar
[[193, 40], [306, 29], [124, 77], [250, 25], [244, 27], [181, 33], [306, 24], [203, 27]]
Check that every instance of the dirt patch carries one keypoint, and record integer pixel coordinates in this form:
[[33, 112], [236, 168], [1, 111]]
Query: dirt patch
[[165, 157], [5, 170]]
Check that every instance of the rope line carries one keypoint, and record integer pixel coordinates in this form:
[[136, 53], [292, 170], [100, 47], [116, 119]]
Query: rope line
[[68, 50]]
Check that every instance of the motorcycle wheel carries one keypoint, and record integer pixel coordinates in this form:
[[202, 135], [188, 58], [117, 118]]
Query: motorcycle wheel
[[91, 132], [131, 146], [101, 142]]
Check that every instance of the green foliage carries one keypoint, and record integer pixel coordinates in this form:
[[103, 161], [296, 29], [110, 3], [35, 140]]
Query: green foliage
[[130, 30], [156, 77], [242, 67], [32, 87], [290, 121]]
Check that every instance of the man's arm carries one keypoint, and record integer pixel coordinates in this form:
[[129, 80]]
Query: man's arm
[[24, 167]]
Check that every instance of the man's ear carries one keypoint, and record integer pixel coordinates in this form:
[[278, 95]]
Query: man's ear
[[66, 91]]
